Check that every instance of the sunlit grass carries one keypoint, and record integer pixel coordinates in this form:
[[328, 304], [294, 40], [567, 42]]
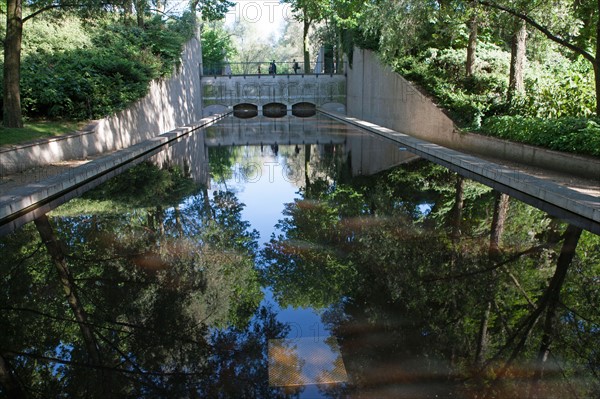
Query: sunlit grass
[[37, 130]]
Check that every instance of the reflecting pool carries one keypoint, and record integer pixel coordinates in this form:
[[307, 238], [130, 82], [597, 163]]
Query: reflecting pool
[[298, 258]]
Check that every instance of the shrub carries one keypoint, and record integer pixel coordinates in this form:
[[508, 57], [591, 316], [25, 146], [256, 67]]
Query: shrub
[[558, 87], [93, 71], [570, 134], [442, 73], [82, 84], [561, 87]]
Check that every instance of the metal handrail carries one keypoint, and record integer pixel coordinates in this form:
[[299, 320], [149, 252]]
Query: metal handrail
[[258, 68]]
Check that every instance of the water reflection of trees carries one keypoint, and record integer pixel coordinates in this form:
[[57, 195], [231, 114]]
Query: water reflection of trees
[[118, 295], [426, 302]]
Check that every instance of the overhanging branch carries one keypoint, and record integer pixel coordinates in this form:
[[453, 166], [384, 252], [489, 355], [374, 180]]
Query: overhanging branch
[[54, 6], [544, 30], [41, 10]]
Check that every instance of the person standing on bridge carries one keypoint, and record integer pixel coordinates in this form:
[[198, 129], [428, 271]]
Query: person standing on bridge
[[295, 66], [273, 68]]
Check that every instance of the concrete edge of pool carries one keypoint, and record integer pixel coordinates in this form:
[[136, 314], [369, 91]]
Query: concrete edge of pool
[[25, 203], [580, 209]]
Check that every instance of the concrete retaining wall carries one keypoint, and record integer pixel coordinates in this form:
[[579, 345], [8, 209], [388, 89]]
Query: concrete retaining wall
[[377, 94], [170, 103]]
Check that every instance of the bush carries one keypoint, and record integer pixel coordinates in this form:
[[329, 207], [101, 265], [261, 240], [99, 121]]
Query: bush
[[442, 73], [100, 70], [562, 87], [82, 84], [569, 134], [559, 87]]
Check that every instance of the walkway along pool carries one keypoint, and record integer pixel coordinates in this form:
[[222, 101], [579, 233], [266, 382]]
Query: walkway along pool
[[298, 257]]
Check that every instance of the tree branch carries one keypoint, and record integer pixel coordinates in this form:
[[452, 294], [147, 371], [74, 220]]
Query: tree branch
[[43, 9], [55, 6], [495, 266], [542, 29], [65, 362]]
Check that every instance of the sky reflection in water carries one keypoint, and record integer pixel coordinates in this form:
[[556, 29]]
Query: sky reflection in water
[[364, 280]]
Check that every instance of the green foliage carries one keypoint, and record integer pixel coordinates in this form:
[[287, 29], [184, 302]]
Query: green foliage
[[441, 73], [216, 48], [578, 135], [426, 42], [145, 185], [82, 84], [75, 71], [212, 10], [47, 35], [560, 87]]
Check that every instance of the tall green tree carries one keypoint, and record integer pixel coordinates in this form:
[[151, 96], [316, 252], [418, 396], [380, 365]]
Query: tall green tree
[[308, 12], [579, 42], [216, 47]]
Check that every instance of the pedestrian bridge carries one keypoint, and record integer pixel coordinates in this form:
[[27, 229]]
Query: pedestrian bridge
[[221, 93]]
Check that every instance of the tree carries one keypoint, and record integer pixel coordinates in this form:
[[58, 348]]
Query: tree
[[473, 25], [589, 37], [12, 116], [250, 48], [216, 46], [12, 111], [211, 10], [308, 12]]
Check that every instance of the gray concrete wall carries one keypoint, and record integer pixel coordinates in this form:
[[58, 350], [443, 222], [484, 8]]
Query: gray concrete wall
[[170, 103], [377, 94], [221, 93]]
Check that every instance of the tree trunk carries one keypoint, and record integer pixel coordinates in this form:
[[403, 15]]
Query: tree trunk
[[482, 338], [140, 9], [9, 383], [306, 167], [458, 206], [340, 67], [472, 46], [516, 83], [306, 27], [567, 253], [597, 80], [12, 65], [206, 202], [501, 205], [178, 222], [596, 61], [66, 279]]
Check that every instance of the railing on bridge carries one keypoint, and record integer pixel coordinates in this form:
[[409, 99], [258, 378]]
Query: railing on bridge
[[221, 92], [266, 68]]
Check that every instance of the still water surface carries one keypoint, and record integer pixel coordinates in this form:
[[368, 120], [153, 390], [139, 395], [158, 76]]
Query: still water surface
[[275, 258]]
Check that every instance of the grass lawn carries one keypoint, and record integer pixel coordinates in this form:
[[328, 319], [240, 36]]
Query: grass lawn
[[36, 130]]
